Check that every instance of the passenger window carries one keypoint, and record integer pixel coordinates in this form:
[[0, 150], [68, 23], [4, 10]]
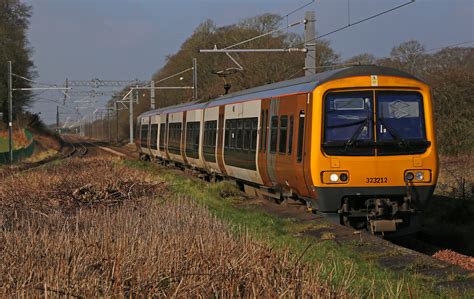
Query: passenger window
[[227, 133], [283, 133], [239, 133], [162, 136], [144, 136], [262, 128], [253, 134], [247, 132], [290, 137], [273, 134], [265, 127], [299, 153]]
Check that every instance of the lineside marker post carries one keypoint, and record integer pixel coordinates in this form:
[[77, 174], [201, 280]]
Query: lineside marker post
[[10, 113], [130, 115]]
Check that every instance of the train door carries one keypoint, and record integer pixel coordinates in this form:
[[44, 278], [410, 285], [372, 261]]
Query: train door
[[291, 141], [263, 142], [183, 138], [148, 138], [305, 154], [272, 143], [220, 140], [166, 137]]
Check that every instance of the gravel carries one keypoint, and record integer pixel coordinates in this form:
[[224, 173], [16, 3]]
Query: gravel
[[452, 257]]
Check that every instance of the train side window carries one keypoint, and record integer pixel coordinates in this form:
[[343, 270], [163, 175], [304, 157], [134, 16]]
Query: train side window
[[253, 134], [299, 152], [214, 134], [210, 133], [192, 135], [283, 133], [233, 133], [144, 135], [265, 127], [239, 133], [227, 134], [262, 128], [162, 137], [290, 137], [273, 134], [247, 132], [206, 133], [154, 136]]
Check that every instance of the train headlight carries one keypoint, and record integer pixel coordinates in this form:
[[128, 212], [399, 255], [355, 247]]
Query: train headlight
[[335, 177], [418, 175]]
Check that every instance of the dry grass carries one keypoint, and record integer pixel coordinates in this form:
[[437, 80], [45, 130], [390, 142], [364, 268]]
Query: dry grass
[[41, 155], [88, 228], [456, 177]]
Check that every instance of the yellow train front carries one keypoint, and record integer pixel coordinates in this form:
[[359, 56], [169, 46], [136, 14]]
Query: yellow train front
[[373, 159]]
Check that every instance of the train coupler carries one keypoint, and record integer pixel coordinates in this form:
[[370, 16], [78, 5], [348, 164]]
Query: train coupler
[[382, 226]]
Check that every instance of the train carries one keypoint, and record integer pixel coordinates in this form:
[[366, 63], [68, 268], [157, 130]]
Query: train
[[356, 144]]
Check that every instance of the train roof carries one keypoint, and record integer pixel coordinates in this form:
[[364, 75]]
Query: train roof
[[174, 108], [298, 85], [307, 83]]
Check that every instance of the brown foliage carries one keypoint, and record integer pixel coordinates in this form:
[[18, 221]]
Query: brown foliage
[[449, 72], [167, 247], [259, 68]]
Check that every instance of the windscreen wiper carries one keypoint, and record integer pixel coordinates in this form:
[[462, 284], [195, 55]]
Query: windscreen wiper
[[356, 134], [401, 142]]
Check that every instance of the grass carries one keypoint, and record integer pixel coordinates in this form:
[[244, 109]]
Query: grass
[[342, 265], [42, 155], [3, 144], [121, 232]]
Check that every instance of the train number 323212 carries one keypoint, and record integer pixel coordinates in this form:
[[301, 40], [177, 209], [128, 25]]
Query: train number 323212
[[376, 180]]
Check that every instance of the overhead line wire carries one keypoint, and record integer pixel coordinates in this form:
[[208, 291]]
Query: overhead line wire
[[358, 22], [450, 46], [32, 81]]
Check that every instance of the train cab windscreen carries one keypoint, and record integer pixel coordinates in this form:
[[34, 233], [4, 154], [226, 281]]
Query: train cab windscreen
[[400, 123], [397, 117], [348, 126]]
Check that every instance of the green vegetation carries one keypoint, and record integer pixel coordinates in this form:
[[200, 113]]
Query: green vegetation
[[3, 144], [341, 264], [14, 22]]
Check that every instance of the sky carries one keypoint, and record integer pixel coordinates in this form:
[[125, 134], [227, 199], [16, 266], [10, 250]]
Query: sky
[[130, 39]]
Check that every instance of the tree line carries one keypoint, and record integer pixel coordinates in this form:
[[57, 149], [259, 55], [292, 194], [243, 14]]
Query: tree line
[[14, 22], [448, 71]]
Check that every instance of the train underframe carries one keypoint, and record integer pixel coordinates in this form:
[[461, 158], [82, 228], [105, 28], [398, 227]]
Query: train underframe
[[382, 210]]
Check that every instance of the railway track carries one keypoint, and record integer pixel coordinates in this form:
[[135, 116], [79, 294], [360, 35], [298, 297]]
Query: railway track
[[70, 149], [79, 150]]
